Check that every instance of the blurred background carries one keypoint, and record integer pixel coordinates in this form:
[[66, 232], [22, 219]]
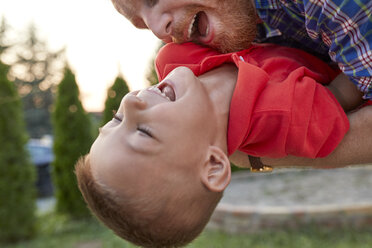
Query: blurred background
[[99, 42], [64, 66]]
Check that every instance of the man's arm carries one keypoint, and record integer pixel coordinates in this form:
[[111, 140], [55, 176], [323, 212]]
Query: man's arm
[[346, 93]]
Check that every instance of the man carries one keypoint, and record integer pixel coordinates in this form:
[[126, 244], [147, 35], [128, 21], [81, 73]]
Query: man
[[339, 30]]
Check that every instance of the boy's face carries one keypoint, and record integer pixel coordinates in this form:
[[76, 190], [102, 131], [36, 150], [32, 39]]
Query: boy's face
[[157, 135]]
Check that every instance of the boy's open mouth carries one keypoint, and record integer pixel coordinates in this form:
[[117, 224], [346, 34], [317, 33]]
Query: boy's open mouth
[[166, 90]]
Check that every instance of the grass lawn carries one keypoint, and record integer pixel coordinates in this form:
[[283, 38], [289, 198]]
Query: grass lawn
[[56, 231]]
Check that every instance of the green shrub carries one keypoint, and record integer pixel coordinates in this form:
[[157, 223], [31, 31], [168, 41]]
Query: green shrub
[[114, 95], [72, 139], [17, 174]]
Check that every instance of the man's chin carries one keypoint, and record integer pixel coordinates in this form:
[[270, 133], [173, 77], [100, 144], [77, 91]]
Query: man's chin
[[229, 47], [224, 44], [234, 41], [223, 48]]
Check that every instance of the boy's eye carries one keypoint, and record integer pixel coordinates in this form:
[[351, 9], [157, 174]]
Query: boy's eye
[[145, 131]]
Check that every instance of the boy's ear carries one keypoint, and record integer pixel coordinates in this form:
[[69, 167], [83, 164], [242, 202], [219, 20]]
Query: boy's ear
[[216, 171]]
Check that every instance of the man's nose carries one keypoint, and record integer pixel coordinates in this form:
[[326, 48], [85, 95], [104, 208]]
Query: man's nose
[[160, 24]]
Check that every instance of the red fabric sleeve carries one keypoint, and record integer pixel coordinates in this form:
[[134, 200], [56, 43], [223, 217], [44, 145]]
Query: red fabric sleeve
[[296, 116]]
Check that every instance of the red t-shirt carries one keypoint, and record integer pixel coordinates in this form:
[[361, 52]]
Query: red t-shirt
[[278, 106]]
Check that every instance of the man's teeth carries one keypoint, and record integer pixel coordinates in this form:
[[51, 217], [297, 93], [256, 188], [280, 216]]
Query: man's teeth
[[157, 90], [190, 27]]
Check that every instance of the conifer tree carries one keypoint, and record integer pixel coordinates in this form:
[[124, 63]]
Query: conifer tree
[[17, 175], [72, 139], [114, 95], [36, 71]]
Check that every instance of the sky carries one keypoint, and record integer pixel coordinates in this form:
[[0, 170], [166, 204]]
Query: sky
[[99, 41]]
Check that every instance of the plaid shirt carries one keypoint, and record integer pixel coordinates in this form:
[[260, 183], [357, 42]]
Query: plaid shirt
[[340, 28]]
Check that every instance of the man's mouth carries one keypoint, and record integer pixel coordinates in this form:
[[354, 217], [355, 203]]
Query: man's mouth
[[199, 26], [165, 90]]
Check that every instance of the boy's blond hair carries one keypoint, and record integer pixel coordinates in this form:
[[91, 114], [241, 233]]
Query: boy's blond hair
[[147, 221]]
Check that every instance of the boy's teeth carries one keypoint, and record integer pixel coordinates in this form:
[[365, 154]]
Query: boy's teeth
[[156, 89], [190, 27]]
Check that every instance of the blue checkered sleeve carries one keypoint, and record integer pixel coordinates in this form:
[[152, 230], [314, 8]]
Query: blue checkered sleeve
[[341, 28]]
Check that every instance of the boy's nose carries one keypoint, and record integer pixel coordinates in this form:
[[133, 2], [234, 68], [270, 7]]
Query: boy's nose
[[132, 104], [160, 24]]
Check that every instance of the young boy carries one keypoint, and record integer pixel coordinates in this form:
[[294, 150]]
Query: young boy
[[158, 169]]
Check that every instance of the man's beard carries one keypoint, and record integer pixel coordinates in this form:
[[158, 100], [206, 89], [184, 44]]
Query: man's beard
[[236, 32], [237, 27]]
